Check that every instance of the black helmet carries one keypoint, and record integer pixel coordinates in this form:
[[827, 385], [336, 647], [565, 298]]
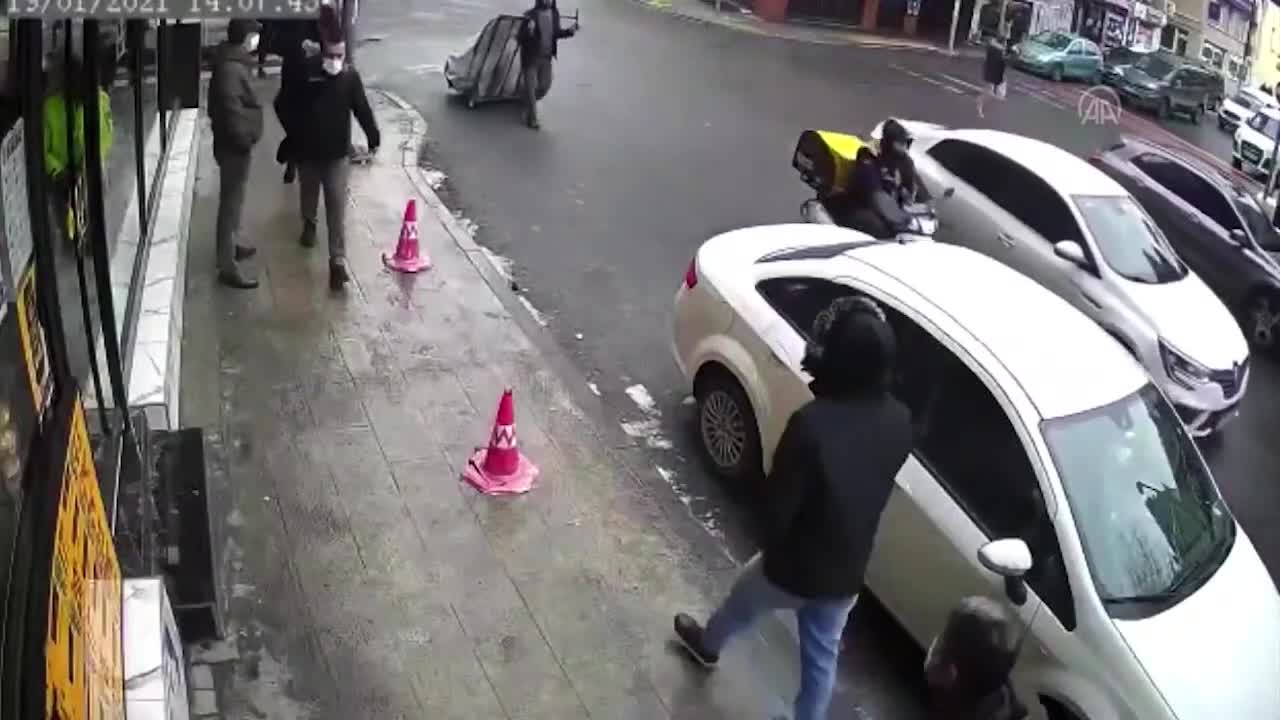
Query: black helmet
[[892, 134]]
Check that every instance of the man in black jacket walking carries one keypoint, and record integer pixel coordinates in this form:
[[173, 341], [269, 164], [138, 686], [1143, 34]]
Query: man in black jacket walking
[[235, 115], [833, 471], [539, 43], [330, 95]]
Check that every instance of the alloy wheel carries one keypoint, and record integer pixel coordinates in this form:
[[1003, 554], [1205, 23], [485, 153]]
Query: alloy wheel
[[724, 428]]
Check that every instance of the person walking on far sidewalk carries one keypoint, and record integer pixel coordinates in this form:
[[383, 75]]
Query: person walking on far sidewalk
[[968, 664], [539, 43], [236, 118], [993, 67], [332, 93], [833, 471]]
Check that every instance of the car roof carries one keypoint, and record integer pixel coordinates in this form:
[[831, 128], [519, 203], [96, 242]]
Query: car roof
[[1065, 172], [1064, 362], [1131, 146]]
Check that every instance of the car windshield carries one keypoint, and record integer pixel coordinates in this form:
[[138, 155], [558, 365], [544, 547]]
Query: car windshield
[[1054, 40], [1265, 124], [1245, 101], [1127, 240], [1154, 66], [1151, 521], [1260, 227]]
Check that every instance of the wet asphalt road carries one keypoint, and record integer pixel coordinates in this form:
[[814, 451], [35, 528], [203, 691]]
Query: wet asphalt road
[[659, 133]]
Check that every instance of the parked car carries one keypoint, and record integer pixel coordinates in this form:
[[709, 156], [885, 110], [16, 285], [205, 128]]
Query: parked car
[[1063, 222], [1241, 106], [1166, 84], [1061, 56], [1115, 60], [1137, 577], [1213, 223], [1255, 142]]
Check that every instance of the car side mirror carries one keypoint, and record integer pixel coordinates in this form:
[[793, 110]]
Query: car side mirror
[[1011, 559], [1008, 557], [1239, 238], [1070, 251]]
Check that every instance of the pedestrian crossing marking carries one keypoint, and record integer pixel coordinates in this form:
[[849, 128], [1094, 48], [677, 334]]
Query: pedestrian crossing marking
[[965, 83]]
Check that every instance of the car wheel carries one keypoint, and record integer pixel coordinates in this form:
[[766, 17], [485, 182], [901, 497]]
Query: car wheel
[[1261, 317], [1237, 163], [471, 100], [1164, 109], [727, 429], [1056, 73], [1196, 113], [1222, 124], [1054, 710]]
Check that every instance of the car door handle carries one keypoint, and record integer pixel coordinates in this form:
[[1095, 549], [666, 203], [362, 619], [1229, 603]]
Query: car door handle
[[1005, 240]]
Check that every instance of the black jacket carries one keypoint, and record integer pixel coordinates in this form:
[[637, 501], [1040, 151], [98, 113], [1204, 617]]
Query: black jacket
[[832, 474], [235, 113], [540, 23], [326, 103]]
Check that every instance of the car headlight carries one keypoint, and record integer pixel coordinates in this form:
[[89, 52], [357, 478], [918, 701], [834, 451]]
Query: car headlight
[[1182, 369]]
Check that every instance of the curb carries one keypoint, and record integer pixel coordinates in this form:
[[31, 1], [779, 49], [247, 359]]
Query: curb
[[751, 24]]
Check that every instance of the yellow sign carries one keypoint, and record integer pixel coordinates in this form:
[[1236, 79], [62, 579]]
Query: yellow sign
[[34, 349], [84, 672]]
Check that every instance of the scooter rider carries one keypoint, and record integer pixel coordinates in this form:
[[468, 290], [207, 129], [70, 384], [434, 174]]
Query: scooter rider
[[897, 168], [852, 208]]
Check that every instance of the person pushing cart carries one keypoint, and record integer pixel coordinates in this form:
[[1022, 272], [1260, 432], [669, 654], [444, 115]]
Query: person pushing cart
[[539, 41]]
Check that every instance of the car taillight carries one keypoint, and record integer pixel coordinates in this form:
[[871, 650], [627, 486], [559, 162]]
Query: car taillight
[[691, 275]]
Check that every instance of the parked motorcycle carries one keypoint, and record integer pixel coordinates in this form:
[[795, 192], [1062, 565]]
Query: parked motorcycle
[[827, 163]]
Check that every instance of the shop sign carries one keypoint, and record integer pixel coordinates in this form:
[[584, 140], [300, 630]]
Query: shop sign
[[1149, 15], [84, 677], [17, 214], [35, 350]]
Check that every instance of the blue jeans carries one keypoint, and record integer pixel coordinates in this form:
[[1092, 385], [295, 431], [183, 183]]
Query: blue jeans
[[821, 624]]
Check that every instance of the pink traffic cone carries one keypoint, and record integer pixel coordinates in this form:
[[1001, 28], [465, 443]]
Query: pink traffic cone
[[408, 259]]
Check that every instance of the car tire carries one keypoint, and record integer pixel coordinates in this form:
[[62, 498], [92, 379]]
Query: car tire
[[1164, 109], [1055, 710], [727, 429], [1222, 124], [1196, 113], [1237, 163], [1056, 73], [471, 100], [1259, 319]]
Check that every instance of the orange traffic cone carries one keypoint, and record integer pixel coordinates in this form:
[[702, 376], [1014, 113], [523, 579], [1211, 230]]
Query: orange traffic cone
[[407, 258], [501, 469]]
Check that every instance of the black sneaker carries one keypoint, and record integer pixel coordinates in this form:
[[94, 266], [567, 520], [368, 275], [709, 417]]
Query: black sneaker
[[244, 252], [690, 632], [233, 279], [308, 238], [338, 275]]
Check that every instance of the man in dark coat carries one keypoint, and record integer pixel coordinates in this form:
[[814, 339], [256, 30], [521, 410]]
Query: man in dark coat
[[297, 42], [331, 94], [968, 664], [833, 471], [539, 43], [236, 118]]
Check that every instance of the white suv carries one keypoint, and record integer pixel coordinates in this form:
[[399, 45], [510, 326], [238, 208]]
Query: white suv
[[1048, 471], [1064, 223]]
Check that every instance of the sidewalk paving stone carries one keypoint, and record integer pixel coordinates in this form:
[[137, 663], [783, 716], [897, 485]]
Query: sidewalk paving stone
[[366, 580]]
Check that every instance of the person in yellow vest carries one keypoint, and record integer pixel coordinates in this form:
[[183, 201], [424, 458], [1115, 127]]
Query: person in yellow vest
[[62, 166]]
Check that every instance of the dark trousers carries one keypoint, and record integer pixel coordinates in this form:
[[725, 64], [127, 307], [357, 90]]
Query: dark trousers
[[233, 176], [537, 81], [331, 176]]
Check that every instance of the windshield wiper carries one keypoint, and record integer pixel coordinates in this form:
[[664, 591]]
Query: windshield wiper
[[1171, 593]]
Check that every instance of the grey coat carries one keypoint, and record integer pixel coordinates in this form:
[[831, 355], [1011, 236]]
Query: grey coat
[[234, 110]]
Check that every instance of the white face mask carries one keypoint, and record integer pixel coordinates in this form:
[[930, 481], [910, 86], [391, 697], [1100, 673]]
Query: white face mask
[[251, 42], [332, 66]]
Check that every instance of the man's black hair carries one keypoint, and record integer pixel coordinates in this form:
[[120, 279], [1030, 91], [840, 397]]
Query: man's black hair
[[980, 641]]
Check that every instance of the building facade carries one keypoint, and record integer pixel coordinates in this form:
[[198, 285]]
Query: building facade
[[1266, 47]]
